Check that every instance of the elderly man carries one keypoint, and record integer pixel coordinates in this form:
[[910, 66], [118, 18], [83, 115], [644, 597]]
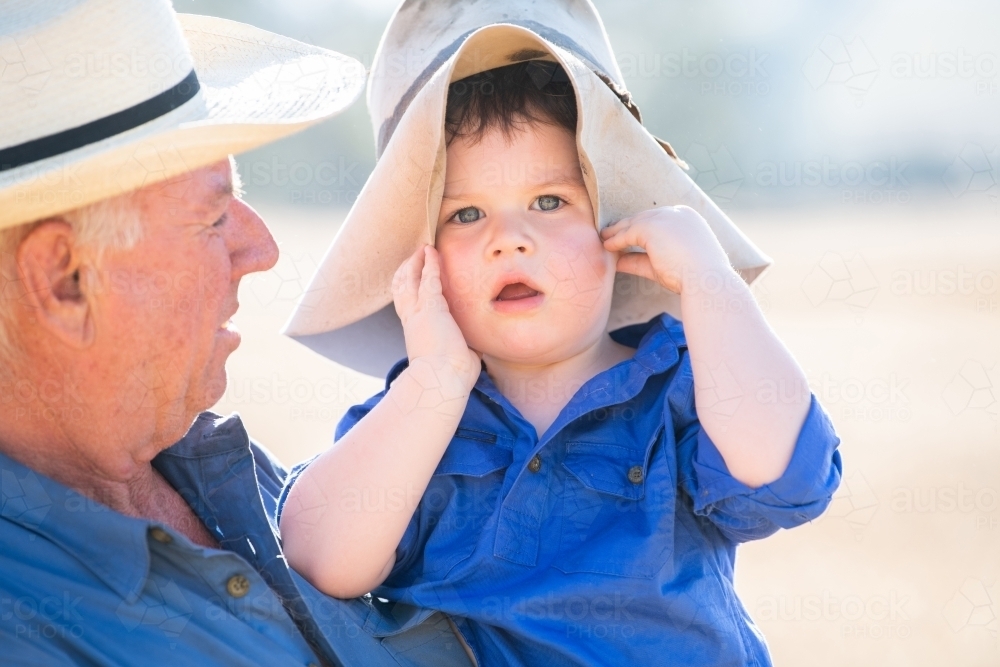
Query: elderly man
[[123, 241]]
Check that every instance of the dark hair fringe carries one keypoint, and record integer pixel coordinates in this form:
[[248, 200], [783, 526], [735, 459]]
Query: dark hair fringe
[[509, 97]]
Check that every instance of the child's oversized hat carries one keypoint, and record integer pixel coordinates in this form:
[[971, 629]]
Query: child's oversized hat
[[347, 313], [101, 97]]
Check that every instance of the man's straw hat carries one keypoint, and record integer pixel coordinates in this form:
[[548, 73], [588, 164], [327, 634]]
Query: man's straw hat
[[347, 313], [100, 97]]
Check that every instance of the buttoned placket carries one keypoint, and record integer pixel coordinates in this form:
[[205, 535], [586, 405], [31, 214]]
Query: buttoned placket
[[240, 547], [524, 507], [228, 573]]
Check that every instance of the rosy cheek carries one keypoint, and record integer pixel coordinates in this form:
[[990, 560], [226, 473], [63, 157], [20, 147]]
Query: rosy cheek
[[577, 270], [456, 278]]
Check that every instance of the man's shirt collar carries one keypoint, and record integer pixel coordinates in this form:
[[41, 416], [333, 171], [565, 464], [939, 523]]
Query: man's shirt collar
[[111, 545]]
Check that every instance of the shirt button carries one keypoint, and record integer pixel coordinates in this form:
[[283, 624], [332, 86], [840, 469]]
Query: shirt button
[[160, 535], [238, 586], [635, 474], [535, 464]]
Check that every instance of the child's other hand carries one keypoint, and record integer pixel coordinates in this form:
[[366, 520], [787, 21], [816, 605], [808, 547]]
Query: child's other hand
[[429, 329], [679, 245]]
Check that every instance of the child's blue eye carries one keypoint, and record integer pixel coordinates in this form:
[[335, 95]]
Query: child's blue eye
[[548, 202], [469, 214]]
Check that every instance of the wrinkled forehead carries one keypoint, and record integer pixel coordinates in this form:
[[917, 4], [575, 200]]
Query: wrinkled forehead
[[195, 192]]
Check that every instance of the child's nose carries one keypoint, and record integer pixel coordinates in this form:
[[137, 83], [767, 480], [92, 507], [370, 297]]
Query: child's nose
[[510, 236]]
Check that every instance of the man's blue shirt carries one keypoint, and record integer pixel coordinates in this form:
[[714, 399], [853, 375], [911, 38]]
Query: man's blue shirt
[[611, 538], [82, 584]]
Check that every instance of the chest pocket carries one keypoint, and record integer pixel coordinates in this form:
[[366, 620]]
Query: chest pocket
[[618, 509], [460, 499]]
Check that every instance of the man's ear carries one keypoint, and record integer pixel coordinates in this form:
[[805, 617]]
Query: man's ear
[[49, 268]]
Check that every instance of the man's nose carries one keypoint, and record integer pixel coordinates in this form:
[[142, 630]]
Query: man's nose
[[510, 235], [252, 248]]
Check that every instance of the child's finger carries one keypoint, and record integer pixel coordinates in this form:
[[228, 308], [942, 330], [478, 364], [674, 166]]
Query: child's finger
[[628, 236], [637, 263], [407, 280], [409, 276], [430, 276], [614, 228]]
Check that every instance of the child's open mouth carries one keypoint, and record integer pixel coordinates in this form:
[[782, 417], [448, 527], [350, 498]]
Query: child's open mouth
[[515, 292], [517, 297]]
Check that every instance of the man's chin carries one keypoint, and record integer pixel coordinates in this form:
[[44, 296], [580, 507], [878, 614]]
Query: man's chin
[[213, 385], [215, 388]]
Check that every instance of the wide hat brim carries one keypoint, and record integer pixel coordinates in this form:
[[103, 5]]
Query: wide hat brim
[[347, 313], [256, 87]]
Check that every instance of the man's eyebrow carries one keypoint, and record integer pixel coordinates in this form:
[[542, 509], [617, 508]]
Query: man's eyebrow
[[229, 187]]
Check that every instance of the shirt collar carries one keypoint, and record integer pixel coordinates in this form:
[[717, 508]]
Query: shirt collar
[[212, 467], [111, 545], [657, 342]]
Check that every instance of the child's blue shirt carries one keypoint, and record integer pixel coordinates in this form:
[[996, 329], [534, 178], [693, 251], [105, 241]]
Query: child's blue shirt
[[611, 538]]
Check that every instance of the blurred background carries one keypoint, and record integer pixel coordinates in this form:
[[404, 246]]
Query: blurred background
[[857, 143]]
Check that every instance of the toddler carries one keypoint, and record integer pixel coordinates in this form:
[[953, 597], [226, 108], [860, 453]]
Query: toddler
[[567, 495]]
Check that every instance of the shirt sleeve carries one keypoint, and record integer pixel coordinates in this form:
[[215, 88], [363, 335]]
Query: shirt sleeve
[[741, 512], [21, 651]]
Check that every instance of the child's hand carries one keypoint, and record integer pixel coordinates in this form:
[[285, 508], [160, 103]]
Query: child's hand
[[678, 242], [429, 329]]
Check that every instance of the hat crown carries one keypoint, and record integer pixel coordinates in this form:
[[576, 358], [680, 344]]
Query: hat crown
[[423, 34], [67, 63]]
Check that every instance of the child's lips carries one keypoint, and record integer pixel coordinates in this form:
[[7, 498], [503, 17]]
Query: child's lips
[[517, 297], [515, 292]]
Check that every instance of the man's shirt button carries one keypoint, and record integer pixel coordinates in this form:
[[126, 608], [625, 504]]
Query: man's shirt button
[[535, 464], [635, 474], [160, 535], [238, 586]]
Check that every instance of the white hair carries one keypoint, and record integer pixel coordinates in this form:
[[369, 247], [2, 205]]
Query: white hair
[[110, 224]]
